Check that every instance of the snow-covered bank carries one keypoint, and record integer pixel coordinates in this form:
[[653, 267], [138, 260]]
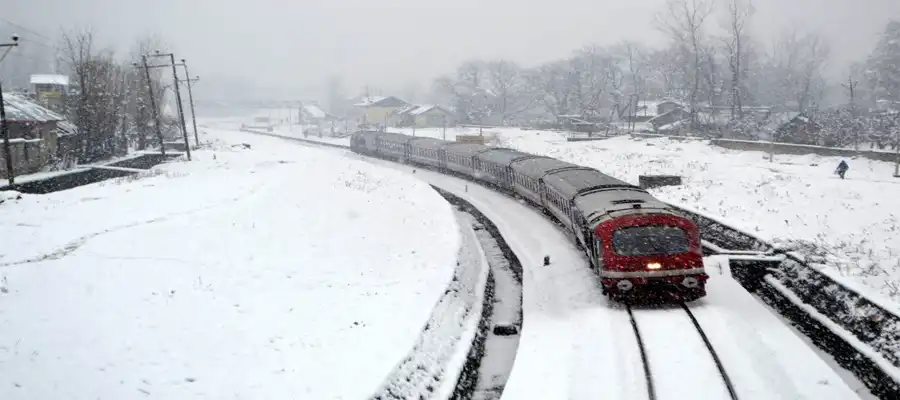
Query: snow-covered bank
[[224, 277], [492, 357], [433, 366]]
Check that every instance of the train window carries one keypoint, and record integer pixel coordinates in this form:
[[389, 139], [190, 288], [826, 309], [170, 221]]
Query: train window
[[650, 240]]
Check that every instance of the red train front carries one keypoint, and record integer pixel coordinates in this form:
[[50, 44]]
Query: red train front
[[655, 256]]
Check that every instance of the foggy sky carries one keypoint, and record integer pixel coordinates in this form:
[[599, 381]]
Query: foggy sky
[[387, 43]]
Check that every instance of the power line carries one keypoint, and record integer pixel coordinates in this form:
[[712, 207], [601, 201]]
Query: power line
[[24, 28]]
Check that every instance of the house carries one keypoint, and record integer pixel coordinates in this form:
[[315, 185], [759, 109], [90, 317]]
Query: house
[[668, 118], [313, 114], [50, 90], [378, 110], [424, 116], [800, 129], [647, 110], [34, 132]]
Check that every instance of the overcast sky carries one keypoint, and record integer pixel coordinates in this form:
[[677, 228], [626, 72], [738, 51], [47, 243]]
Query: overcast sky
[[299, 43]]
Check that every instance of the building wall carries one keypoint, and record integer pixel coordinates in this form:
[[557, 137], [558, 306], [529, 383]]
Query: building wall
[[666, 106], [433, 118], [30, 157], [377, 115]]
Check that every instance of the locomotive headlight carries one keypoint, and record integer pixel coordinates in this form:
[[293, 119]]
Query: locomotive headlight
[[654, 265]]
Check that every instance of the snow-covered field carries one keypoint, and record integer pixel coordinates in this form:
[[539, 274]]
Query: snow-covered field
[[270, 272], [851, 225]]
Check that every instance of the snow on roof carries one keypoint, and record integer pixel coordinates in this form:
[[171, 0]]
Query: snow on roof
[[419, 109], [368, 101], [314, 111], [49, 79], [66, 128], [19, 108], [422, 109]]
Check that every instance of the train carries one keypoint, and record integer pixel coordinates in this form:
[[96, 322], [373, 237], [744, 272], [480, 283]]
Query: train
[[640, 247]]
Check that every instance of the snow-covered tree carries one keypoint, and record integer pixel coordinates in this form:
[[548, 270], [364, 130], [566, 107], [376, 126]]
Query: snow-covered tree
[[466, 94], [884, 64], [508, 83], [593, 72], [739, 13], [683, 21], [554, 87]]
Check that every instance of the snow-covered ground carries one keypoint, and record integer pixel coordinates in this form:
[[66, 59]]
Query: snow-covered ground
[[853, 225], [271, 272], [575, 344]]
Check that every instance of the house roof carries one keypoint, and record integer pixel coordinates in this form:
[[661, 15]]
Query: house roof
[[314, 111], [419, 109], [384, 101], [49, 79], [19, 108]]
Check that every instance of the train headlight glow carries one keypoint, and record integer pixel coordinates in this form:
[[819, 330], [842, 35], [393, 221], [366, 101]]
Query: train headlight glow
[[654, 265]]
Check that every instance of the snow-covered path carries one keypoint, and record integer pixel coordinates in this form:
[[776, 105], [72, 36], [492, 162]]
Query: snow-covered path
[[225, 277]]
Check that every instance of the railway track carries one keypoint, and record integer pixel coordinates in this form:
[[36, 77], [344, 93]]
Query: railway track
[[645, 358]]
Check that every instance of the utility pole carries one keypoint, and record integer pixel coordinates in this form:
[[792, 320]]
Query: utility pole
[[851, 85], [10, 174], [187, 145], [191, 99], [162, 145], [897, 127]]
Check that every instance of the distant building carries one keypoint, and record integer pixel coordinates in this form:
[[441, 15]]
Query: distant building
[[34, 132], [378, 110], [424, 116], [51, 91], [313, 114], [669, 119], [647, 110]]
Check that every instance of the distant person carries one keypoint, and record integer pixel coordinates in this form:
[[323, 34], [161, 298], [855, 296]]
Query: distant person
[[842, 168]]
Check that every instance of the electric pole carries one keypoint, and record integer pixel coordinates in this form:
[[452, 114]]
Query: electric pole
[[851, 85], [10, 174], [897, 142], [191, 99], [162, 145], [187, 145]]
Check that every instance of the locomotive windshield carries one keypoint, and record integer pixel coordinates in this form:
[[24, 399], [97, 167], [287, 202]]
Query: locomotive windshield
[[650, 240]]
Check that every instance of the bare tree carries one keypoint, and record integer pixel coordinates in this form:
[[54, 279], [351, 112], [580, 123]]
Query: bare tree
[[593, 71], [683, 22], [794, 67], [100, 108], [508, 84], [739, 12], [138, 99], [636, 65], [553, 85], [471, 73]]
